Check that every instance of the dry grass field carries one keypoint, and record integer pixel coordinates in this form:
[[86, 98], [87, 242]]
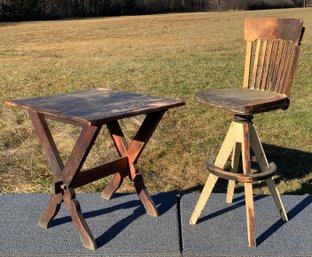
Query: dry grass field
[[172, 55]]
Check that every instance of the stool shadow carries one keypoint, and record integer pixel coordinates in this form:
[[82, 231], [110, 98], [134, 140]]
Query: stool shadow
[[291, 164], [161, 200], [291, 215], [274, 227], [239, 203]]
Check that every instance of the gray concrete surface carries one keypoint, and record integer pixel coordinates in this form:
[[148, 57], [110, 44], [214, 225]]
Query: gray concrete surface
[[120, 227]]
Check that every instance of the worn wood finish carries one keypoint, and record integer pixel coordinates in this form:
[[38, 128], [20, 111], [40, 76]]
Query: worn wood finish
[[273, 29], [273, 71], [62, 180], [113, 186], [133, 151], [143, 135], [271, 59], [243, 101], [267, 62], [226, 148], [203, 198], [95, 107], [121, 145], [88, 176], [79, 153], [241, 178], [240, 139], [277, 198], [78, 219], [234, 169], [91, 109], [47, 143], [257, 149], [247, 64], [140, 188], [52, 210], [250, 215]]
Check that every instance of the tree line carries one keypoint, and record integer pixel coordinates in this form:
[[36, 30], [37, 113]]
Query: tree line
[[56, 9]]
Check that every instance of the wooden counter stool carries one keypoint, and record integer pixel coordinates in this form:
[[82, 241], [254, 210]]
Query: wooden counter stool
[[271, 59]]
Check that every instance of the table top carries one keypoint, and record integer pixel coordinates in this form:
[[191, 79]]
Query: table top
[[95, 106]]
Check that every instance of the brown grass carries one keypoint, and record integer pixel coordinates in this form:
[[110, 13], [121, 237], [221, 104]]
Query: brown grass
[[174, 55]]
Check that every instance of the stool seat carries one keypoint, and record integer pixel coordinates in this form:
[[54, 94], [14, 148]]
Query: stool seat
[[243, 101]]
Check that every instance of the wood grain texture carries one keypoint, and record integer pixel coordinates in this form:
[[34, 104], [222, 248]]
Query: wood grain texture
[[234, 168], [95, 107], [247, 64], [255, 64], [48, 145], [203, 198], [250, 215], [272, 29], [87, 176], [277, 198], [273, 61], [243, 101], [267, 61], [261, 65]]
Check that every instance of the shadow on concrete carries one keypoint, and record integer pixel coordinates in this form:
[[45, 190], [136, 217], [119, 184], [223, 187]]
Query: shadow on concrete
[[161, 200], [239, 203], [291, 215]]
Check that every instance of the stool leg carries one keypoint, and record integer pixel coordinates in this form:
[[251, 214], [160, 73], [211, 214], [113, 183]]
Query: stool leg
[[226, 148], [221, 159], [277, 198], [264, 165], [204, 196], [250, 212], [235, 163]]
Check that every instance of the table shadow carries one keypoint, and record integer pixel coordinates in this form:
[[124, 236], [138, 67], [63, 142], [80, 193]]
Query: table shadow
[[161, 200]]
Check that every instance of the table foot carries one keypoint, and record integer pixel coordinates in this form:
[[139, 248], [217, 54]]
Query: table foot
[[85, 234], [112, 187], [144, 196], [51, 211]]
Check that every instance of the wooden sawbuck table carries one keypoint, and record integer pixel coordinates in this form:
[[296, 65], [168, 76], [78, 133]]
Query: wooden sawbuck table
[[91, 109]]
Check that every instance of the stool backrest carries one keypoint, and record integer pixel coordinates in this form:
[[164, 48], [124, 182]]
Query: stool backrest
[[272, 53]]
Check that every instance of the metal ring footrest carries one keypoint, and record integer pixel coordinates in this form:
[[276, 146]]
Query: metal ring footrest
[[242, 178]]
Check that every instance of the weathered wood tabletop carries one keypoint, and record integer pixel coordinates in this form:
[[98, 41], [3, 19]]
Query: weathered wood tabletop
[[96, 106]]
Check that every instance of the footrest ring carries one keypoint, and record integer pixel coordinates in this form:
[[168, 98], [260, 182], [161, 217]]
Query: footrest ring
[[242, 178]]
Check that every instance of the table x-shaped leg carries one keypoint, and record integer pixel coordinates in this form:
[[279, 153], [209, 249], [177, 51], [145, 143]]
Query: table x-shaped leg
[[133, 151], [67, 177], [63, 175]]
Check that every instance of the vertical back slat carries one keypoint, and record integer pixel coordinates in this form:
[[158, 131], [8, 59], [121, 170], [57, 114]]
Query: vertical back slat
[[290, 55], [255, 68], [267, 65], [247, 64], [282, 67], [261, 65], [291, 73], [272, 65], [272, 53], [280, 48]]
